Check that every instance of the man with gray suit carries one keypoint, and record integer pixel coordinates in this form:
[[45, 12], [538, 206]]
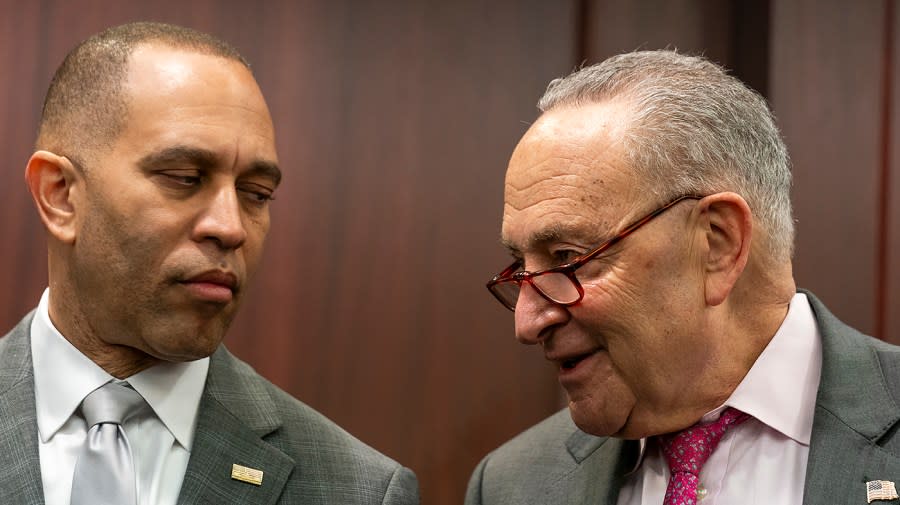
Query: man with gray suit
[[154, 169], [648, 214]]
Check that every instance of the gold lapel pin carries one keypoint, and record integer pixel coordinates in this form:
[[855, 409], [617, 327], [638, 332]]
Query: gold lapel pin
[[880, 490], [246, 474]]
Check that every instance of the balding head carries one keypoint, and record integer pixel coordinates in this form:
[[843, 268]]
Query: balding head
[[86, 106]]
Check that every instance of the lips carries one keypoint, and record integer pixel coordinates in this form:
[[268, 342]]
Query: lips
[[572, 362], [576, 368], [569, 361], [216, 286], [222, 278]]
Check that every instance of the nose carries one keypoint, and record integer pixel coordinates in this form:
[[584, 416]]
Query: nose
[[222, 221], [536, 316]]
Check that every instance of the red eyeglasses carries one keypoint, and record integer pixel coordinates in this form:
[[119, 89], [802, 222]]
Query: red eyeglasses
[[559, 284]]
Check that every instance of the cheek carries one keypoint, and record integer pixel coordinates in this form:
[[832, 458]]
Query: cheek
[[642, 364], [132, 247], [257, 231], [146, 242], [105, 238], [616, 303], [630, 320]]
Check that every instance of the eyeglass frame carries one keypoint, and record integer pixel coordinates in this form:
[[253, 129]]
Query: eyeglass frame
[[509, 274]]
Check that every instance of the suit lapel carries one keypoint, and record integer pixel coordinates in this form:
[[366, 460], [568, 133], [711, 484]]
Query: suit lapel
[[601, 465], [841, 462], [854, 409], [235, 414], [20, 480]]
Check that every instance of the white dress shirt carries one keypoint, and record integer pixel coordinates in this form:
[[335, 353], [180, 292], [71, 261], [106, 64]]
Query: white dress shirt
[[160, 440], [763, 460]]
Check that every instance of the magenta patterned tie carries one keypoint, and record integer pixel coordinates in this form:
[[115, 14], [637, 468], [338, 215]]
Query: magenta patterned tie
[[687, 451]]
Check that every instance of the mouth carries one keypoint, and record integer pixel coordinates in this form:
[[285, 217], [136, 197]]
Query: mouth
[[570, 362], [216, 286]]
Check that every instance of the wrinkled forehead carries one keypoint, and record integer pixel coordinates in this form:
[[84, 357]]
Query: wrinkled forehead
[[569, 173]]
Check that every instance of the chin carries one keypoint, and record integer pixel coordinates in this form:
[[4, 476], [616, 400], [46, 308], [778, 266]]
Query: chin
[[186, 348], [195, 354], [597, 422], [184, 355]]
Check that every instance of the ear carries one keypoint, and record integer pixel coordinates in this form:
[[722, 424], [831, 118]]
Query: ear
[[51, 179], [729, 227]]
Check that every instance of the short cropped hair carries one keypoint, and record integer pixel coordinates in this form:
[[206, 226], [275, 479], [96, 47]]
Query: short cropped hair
[[692, 129], [86, 107]]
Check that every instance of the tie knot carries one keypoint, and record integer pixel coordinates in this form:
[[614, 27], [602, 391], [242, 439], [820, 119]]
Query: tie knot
[[688, 450], [111, 403]]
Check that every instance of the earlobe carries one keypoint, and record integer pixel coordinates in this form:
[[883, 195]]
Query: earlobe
[[729, 224], [51, 179]]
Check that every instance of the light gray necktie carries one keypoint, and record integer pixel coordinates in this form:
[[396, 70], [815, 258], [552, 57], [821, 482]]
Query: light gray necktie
[[104, 471]]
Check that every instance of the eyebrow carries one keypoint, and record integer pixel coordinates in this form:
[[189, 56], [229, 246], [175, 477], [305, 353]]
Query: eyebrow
[[205, 159], [266, 169], [202, 158], [552, 234]]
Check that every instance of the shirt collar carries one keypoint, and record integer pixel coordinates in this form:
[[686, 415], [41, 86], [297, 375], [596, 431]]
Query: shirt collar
[[173, 391], [63, 376], [780, 388]]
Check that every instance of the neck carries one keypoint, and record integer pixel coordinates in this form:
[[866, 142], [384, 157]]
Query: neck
[[68, 317], [744, 325]]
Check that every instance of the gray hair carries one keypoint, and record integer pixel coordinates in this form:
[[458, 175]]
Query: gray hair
[[693, 129]]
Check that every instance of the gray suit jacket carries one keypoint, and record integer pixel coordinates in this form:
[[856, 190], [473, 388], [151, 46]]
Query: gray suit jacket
[[243, 419], [854, 437]]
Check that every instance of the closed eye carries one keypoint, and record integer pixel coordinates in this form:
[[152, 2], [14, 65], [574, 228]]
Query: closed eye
[[182, 179], [256, 193], [187, 180]]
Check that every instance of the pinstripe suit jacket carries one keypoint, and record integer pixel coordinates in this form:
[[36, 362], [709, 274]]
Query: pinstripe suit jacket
[[854, 437], [244, 419]]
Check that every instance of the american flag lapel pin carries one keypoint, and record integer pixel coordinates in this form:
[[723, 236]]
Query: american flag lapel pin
[[880, 490], [246, 474]]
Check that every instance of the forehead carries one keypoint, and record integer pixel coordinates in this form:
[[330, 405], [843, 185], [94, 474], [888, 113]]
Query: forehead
[[176, 96], [568, 178]]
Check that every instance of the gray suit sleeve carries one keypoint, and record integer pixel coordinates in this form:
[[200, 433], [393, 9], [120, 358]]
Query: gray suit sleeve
[[473, 494], [403, 488]]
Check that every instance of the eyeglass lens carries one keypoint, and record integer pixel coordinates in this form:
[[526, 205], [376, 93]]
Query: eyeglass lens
[[556, 286]]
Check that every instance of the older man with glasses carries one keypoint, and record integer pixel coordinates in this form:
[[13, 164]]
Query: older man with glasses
[[648, 214]]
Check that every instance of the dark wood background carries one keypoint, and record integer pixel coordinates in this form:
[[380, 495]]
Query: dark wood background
[[395, 120]]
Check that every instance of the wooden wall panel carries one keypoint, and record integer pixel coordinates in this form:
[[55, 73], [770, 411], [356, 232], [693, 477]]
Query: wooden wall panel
[[892, 299], [825, 89], [23, 263], [733, 33], [408, 112], [692, 26]]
